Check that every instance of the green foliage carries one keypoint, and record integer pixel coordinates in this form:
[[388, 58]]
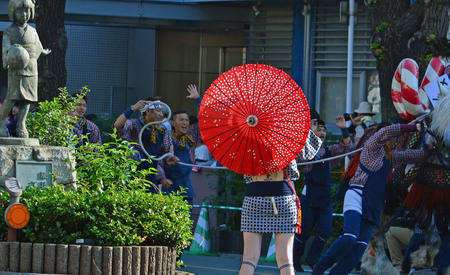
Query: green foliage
[[57, 216], [51, 122], [428, 58], [112, 204], [378, 52], [374, 45], [382, 26], [110, 166], [113, 217], [373, 2], [4, 203]]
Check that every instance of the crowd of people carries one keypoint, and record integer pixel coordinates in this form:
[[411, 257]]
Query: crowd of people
[[362, 202], [179, 138], [269, 204]]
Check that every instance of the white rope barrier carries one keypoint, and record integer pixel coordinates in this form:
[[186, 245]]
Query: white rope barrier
[[330, 158], [225, 168]]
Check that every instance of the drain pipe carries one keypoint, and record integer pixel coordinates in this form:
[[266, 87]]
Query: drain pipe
[[351, 28]]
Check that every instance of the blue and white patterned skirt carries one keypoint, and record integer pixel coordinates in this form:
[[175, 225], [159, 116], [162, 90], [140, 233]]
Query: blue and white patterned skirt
[[258, 215]]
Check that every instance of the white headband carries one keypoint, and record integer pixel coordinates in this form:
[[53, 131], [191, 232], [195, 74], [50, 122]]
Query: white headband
[[151, 105]]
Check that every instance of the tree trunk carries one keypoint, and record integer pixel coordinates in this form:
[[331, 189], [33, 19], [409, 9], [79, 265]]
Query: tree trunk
[[408, 33], [49, 20]]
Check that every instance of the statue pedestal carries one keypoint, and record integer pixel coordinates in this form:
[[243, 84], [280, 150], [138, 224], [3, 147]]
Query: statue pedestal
[[31, 163], [19, 141]]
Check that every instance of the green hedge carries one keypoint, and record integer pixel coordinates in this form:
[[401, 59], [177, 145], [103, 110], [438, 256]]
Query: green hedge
[[113, 218]]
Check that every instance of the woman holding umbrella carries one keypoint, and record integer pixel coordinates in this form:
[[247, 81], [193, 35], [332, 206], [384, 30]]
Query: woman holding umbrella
[[255, 120], [270, 207]]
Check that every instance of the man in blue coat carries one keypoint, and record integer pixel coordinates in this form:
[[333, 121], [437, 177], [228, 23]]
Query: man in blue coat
[[316, 205]]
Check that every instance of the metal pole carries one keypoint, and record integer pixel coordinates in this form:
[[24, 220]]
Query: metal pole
[[307, 54], [351, 27]]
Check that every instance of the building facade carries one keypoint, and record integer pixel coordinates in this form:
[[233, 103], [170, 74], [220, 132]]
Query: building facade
[[128, 50]]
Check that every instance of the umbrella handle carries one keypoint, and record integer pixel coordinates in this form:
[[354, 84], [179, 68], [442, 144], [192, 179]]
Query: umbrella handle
[[154, 122]]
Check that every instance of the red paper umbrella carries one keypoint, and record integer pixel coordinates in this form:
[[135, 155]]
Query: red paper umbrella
[[254, 119]]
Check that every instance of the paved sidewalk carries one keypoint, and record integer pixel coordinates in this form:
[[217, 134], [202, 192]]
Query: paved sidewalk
[[227, 264]]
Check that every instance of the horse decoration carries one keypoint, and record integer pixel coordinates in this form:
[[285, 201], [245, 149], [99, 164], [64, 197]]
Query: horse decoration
[[427, 202]]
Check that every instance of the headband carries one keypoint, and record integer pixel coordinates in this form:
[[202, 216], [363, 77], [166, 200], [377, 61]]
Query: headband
[[151, 105]]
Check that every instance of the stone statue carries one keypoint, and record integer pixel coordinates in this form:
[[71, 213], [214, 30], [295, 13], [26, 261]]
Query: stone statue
[[20, 50]]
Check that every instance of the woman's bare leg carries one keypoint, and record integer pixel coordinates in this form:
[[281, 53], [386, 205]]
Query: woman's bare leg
[[284, 243], [252, 251]]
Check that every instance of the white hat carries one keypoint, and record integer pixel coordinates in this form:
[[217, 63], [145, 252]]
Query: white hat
[[365, 108]]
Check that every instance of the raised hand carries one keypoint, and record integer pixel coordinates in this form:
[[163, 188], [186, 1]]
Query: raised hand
[[340, 122], [358, 120], [139, 105], [193, 92]]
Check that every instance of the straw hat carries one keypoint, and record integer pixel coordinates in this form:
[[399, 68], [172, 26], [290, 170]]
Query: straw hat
[[365, 108]]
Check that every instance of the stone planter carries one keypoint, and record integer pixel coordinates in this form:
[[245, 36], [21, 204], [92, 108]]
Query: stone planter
[[85, 259], [31, 164]]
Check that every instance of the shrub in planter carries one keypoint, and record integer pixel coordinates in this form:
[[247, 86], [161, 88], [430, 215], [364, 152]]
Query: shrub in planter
[[111, 165], [119, 210], [111, 205], [112, 218]]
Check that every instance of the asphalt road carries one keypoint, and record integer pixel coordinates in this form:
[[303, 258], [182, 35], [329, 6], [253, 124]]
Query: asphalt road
[[225, 264]]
